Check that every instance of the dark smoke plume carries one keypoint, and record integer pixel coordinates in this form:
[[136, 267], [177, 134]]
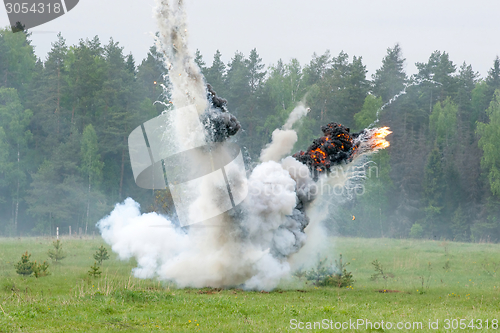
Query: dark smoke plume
[[218, 122], [335, 147], [217, 102]]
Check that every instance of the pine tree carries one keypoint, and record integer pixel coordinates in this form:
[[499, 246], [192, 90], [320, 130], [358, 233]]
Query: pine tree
[[490, 134], [56, 254], [101, 255], [91, 164], [40, 269], [24, 266], [17, 61], [216, 75], [237, 82], [95, 270], [57, 190], [343, 90], [198, 59], [51, 116], [151, 75], [443, 122], [433, 193], [86, 66], [493, 79], [255, 67], [467, 80], [317, 68], [441, 69], [4, 165], [14, 120], [391, 77], [122, 112]]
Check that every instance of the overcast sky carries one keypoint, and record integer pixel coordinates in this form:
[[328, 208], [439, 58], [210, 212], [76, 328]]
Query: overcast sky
[[468, 30]]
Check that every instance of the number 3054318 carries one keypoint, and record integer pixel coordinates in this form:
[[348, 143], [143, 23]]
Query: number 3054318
[[35, 8], [472, 324]]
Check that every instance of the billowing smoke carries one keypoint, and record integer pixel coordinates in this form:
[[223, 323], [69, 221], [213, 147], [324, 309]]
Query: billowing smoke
[[253, 245], [284, 139]]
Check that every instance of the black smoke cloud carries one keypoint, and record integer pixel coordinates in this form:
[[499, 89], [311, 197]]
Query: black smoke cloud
[[335, 147], [218, 122]]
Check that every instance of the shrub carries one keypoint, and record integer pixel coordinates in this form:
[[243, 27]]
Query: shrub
[[416, 231]]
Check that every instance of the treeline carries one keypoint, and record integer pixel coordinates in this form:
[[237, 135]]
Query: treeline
[[64, 125]]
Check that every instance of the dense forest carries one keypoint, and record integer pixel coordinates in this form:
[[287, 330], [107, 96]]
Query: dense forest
[[65, 121]]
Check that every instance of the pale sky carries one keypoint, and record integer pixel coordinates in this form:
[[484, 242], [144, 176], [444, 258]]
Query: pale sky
[[468, 30]]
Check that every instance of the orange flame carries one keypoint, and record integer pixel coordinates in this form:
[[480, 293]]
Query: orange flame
[[378, 137]]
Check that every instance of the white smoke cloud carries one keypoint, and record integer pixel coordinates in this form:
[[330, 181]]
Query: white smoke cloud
[[150, 238], [281, 145], [227, 254], [297, 113], [284, 139]]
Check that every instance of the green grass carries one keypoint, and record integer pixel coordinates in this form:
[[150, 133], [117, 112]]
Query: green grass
[[433, 280]]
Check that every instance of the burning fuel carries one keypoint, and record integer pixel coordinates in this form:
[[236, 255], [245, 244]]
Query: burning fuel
[[338, 146]]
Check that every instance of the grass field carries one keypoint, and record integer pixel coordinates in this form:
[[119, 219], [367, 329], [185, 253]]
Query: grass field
[[428, 281]]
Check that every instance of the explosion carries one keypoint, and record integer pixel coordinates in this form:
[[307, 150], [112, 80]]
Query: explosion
[[339, 145], [258, 239], [333, 148]]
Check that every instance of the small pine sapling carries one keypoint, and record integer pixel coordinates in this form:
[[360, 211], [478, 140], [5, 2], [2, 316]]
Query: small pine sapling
[[380, 271], [319, 273], [24, 266], [300, 273], [40, 270], [342, 278], [57, 254], [101, 255], [95, 270], [326, 275]]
